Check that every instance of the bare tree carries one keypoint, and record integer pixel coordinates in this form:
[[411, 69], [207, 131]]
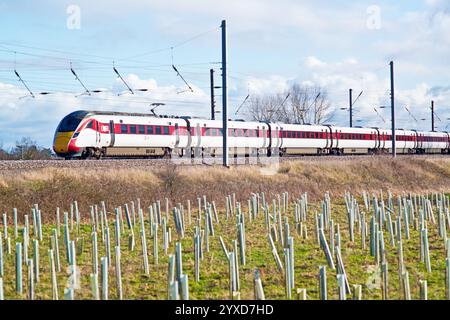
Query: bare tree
[[264, 108], [299, 104], [321, 107], [305, 105], [27, 149]]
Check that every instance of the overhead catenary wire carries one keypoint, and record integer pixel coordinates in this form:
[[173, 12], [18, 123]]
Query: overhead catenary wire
[[412, 116], [102, 68], [381, 117], [172, 46], [184, 80], [242, 104], [78, 79], [126, 84], [23, 82]]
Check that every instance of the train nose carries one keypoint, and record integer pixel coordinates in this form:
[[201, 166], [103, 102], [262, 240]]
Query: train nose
[[61, 143]]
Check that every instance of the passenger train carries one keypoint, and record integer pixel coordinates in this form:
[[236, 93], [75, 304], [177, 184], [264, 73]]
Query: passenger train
[[98, 134]]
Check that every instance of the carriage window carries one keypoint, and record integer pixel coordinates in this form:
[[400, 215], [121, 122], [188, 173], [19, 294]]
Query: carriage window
[[124, 128], [90, 125], [132, 129], [149, 129], [158, 129], [141, 130]]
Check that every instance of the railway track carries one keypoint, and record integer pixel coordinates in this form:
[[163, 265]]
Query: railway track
[[155, 163]]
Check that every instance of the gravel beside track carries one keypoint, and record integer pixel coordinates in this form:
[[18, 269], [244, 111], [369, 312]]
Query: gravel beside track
[[155, 163]]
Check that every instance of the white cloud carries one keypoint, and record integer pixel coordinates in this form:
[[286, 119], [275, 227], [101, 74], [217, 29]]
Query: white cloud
[[313, 62], [270, 85], [39, 117], [331, 40], [374, 81]]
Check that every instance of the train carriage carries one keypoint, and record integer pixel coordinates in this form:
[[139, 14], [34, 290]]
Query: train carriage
[[96, 134], [244, 138], [405, 141], [434, 142], [304, 139], [354, 140]]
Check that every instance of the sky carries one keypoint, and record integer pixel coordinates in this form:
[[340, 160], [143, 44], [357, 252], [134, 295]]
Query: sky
[[271, 45]]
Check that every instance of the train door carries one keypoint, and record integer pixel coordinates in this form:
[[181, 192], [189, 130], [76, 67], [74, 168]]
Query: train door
[[415, 140], [280, 137], [264, 136], [276, 138], [377, 138], [96, 127], [269, 135], [188, 137], [112, 135], [198, 133], [276, 141], [337, 139], [177, 135], [329, 137]]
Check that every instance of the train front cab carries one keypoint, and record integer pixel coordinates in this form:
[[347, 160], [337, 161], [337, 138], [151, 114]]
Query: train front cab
[[65, 135]]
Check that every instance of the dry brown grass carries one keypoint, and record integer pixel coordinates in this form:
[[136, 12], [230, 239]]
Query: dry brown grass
[[52, 187]]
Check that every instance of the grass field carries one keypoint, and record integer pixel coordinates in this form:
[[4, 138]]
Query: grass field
[[214, 273], [52, 188], [56, 187]]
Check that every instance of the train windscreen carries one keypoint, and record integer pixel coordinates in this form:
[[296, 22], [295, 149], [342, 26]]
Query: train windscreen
[[71, 121]]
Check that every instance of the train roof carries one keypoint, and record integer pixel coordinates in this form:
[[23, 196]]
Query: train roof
[[84, 113], [133, 114]]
